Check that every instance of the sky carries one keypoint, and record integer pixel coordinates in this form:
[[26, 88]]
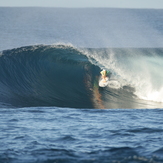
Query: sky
[[157, 4]]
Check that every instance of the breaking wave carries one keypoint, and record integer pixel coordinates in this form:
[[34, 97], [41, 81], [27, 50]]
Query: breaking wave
[[64, 76]]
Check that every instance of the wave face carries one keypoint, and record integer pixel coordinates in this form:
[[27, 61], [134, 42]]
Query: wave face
[[61, 75], [46, 76]]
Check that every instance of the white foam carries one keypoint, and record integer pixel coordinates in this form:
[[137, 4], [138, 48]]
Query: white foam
[[141, 71]]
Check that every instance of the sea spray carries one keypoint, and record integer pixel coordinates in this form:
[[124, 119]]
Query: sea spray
[[139, 68]]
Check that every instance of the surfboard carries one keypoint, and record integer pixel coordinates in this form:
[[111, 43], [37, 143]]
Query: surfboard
[[110, 83], [103, 82], [114, 84]]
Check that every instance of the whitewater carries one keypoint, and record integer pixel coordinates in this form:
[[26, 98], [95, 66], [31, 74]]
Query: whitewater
[[51, 106]]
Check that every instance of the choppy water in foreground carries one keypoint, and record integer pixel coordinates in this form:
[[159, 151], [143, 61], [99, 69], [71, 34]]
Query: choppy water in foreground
[[48, 135]]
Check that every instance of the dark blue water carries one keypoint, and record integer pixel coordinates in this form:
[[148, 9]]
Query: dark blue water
[[53, 134], [51, 107]]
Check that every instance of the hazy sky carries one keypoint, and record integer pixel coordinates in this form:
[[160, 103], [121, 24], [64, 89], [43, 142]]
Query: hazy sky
[[86, 3]]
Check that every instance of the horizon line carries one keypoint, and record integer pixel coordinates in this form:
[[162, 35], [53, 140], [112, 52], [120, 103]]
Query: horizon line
[[79, 7]]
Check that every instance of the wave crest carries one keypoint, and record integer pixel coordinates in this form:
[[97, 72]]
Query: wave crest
[[64, 76]]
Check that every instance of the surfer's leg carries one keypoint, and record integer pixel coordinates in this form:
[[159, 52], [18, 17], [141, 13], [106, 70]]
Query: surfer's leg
[[109, 75]]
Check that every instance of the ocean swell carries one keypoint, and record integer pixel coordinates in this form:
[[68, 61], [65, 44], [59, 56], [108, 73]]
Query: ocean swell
[[65, 76], [46, 76]]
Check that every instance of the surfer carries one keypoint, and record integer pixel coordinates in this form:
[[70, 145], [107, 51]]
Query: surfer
[[105, 78], [105, 74]]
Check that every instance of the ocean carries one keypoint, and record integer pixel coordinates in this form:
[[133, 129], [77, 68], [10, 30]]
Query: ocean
[[52, 109]]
